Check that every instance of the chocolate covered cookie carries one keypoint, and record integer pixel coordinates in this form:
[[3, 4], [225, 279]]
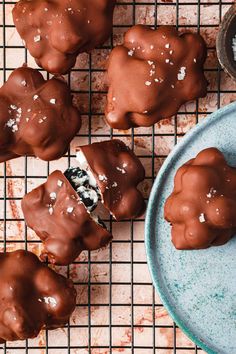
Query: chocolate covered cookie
[[202, 206], [55, 32], [62, 219], [62, 211], [33, 297], [117, 172], [36, 116], [152, 74]]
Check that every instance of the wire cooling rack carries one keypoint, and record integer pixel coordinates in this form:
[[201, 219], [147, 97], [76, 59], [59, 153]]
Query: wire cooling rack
[[117, 308]]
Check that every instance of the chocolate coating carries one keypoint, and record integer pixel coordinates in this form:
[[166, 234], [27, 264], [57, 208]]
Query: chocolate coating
[[33, 297], [55, 32], [117, 171], [202, 207], [58, 216], [152, 74], [36, 116]]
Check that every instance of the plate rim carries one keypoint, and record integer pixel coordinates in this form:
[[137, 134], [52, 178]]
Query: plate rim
[[149, 224]]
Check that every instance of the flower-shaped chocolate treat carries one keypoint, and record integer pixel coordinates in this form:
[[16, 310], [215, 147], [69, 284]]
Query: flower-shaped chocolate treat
[[152, 74], [55, 32], [36, 116], [33, 297], [202, 206]]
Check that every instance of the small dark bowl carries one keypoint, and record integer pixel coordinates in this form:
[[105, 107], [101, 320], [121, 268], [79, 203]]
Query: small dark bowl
[[227, 32]]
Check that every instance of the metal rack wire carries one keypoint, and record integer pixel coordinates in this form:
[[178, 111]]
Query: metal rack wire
[[156, 337]]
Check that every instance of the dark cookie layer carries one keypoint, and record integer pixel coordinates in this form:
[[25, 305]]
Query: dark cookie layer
[[58, 216], [117, 171], [152, 74], [202, 207], [79, 179], [32, 296], [55, 32], [36, 116]]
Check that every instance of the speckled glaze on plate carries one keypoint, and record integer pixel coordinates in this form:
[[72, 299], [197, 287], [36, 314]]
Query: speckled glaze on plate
[[198, 288]]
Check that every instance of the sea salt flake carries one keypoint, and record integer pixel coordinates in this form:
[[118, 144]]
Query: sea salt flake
[[59, 183], [37, 38], [211, 193], [53, 195], [70, 210], [15, 128], [10, 123], [202, 218], [182, 73], [152, 72], [50, 301], [102, 178], [122, 170]]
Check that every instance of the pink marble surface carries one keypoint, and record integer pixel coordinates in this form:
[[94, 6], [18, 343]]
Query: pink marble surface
[[103, 298]]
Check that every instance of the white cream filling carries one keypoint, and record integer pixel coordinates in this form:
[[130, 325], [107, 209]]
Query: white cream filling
[[83, 165]]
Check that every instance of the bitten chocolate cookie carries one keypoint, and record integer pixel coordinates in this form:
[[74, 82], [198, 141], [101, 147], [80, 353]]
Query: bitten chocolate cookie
[[62, 219], [202, 207], [117, 172], [55, 32], [33, 297], [62, 210], [36, 116], [152, 74]]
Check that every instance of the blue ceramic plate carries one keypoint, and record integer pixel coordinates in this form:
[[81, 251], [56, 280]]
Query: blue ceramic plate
[[198, 288]]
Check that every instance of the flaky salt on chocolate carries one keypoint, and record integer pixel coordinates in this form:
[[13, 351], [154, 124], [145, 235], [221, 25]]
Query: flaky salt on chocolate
[[117, 172], [33, 297], [152, 74], [60, 218], [202, 206], [37, 117], [55, 32]]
